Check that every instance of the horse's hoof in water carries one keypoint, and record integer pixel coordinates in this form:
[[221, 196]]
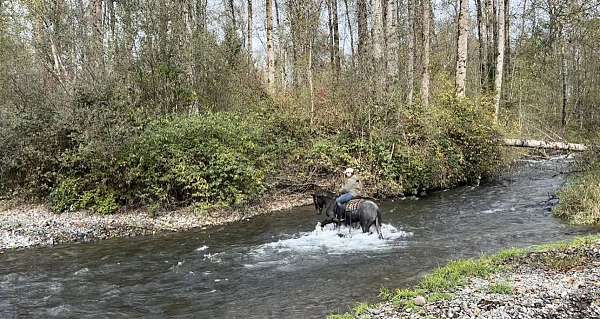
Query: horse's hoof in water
[[341, 235]]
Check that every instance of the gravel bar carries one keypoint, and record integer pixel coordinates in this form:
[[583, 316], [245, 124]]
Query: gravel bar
[[34, 225]]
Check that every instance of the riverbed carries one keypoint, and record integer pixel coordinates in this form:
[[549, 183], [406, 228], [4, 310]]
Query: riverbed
[[282, 265]]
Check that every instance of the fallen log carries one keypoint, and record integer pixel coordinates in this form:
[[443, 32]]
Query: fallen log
[[544, 144]]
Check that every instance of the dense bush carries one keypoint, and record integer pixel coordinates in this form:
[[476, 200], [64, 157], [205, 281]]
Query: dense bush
[[115, 158], [449, 144]]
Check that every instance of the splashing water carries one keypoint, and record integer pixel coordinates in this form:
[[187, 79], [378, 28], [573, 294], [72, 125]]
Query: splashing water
[[336, 241]]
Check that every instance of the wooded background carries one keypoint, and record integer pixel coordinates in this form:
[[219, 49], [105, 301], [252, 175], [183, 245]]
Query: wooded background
[[538, 59], [80, 79]]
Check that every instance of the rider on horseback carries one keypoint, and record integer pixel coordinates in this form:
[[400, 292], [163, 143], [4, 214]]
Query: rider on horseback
[[350, 189]]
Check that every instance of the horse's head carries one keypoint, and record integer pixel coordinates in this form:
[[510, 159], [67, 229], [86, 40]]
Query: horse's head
[[324, 202]]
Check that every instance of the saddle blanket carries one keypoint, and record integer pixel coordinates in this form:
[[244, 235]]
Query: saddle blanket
[[353, 204]]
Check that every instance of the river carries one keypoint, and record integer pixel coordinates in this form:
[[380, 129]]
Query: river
[[281, 265]]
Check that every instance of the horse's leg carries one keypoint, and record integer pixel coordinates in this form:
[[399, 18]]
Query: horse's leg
[[369, 227], [378, 224], [378, 227], [326, 221], [364, 225]]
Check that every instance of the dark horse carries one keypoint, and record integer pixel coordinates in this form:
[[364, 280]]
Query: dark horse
[[367, 214]]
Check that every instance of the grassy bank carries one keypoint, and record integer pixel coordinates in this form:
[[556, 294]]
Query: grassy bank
[[444, 282], [232, 158], [580, 199]]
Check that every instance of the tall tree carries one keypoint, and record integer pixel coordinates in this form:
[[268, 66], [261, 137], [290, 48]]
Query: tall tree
[[336, 35], [391, 38], [564, 90], [250, 33], [461, 47], [500, 59], [483, 41], [378, 43], [202, 16], [282, 52], [507, 48], [96, 17], [97, 49], [411, 51], [270, 52], [232, 14], [425, 20], [351, 33], [492, 37], [363, 32], [330, 37]]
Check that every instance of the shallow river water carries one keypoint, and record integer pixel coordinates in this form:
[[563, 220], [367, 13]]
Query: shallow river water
[[281, 265]]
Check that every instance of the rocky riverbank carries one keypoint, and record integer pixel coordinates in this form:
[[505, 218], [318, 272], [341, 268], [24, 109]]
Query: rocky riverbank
[[561, 282], [23, 226]]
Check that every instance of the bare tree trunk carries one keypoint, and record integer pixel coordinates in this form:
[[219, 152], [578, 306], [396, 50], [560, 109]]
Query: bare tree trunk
[[232, 12], [492, 42], [461, 51], [426, 52], [378, 44], [336, 36], [111, 13], [565, 97], [391, 40], [250, 33], [97, 51], [577, 89], [59, 68], [281, 59], [270, 53], [201, 13], [483, 42], [544, 144], [363, 33], [500, 59], [96, 17], [309, 73], [351, 33], [330, 37], [411, 51], [507, 48]]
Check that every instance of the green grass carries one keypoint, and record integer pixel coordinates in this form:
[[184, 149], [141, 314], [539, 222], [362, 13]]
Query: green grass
[[358, 311], [580, 200], [456, 273], [503, 288], [439, 296], [442, 282]]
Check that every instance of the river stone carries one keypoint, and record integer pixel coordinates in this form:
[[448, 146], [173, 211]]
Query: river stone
[[419, 301]]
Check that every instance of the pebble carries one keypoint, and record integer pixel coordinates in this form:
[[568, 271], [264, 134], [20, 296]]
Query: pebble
[[419, 301]]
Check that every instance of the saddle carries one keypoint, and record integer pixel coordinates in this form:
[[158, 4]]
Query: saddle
[[353, 205], [350, 208]]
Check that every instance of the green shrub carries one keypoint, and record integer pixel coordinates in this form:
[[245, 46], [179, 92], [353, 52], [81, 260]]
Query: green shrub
[[579, 199], [65, 197], [216, 158]]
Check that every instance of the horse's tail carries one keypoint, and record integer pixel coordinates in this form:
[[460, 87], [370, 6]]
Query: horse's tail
[[378, 223]]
